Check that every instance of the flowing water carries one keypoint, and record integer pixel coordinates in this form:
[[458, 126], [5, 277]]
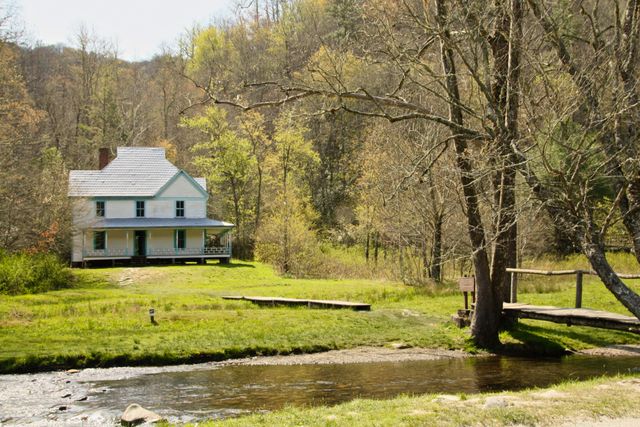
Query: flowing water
[[190, 394]]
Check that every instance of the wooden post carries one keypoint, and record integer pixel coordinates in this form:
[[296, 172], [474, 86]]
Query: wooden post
[[514, 287], [579, 289]]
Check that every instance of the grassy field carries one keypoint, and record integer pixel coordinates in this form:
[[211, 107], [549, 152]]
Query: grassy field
[[103, 320], [601, 399]]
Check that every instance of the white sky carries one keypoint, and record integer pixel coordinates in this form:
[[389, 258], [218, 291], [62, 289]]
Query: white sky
[[137, 27]]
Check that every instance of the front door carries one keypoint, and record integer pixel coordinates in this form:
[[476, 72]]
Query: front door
[[140, 243]]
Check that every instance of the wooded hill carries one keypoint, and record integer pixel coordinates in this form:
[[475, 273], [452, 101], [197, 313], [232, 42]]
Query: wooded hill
[[437, 130]]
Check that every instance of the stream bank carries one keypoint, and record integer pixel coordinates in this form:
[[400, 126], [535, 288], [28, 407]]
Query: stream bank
[[219, 390]]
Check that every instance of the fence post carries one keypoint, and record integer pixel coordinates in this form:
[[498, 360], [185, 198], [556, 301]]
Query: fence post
[[579, 289], [514, 287]]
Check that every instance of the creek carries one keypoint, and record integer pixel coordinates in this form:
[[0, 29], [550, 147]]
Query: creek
[[191, 393]]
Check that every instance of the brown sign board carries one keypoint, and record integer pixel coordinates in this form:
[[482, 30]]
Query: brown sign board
[[467, 284]]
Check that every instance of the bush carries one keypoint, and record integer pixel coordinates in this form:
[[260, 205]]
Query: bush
[[289, 245], [28, 274]]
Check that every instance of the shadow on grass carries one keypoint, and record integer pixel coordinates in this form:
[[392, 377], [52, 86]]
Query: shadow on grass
[[533, 341], [98, 359], [235, 265], [205, 265], [592, 336], [552, 341]]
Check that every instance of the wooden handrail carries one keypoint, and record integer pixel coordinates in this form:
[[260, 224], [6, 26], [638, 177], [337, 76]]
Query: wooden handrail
[[578, 273], [542, 272], [567, 272]]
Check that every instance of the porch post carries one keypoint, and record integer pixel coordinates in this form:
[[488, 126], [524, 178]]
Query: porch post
[[126, 247]]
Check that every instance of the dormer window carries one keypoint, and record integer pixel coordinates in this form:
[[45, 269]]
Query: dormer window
[[179, 208], [100, 208], [140, 208]]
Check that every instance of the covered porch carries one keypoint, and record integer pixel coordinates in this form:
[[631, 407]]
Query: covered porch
[[172, 240]]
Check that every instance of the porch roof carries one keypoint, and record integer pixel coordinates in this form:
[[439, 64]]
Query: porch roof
[[139, 223]]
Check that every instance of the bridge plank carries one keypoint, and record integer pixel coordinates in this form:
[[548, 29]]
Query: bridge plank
[[574, 316], [357, 306]]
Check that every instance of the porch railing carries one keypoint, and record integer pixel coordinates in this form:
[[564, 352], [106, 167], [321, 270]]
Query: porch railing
[[107, 253], [217, 250], [151, 252]]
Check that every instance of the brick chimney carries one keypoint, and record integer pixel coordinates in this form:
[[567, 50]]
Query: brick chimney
[[103, 158]]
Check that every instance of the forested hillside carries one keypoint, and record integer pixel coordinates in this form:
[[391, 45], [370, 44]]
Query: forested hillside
[[330, 177], [428, 135]]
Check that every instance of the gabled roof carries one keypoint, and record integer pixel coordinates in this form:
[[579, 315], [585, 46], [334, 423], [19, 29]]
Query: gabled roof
[[135, 172], [196, 184]]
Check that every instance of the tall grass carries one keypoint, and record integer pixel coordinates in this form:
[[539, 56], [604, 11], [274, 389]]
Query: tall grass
[[29, 274], [394, 264]]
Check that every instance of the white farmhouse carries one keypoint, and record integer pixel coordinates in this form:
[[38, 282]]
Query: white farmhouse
[[141, 208]]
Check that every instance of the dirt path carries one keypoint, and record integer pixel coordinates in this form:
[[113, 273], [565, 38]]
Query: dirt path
[[137, 275]]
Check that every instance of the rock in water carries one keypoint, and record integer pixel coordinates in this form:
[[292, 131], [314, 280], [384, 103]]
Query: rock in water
[[136, 414]]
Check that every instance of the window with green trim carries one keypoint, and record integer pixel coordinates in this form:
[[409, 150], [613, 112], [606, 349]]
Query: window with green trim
[[181, 239], [99, 240]]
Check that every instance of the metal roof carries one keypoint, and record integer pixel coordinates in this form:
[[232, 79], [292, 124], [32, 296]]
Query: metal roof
[[141, 223], [136, 172]]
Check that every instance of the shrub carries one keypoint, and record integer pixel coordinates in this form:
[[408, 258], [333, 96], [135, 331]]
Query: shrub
[[27, 274], [289, 244]]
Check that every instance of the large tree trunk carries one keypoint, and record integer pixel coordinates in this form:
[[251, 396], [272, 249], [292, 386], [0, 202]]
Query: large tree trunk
[[486, 319], [626, 124], [584, 231], [505, 49], [621, 147], [595, 253], [436, 250]]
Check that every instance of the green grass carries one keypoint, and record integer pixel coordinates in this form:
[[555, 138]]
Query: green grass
[[565, 404], [104, 323], [103, 320]]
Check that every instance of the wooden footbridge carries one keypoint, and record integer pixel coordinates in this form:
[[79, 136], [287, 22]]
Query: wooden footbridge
[[310, 303], [573, 316], [570, 316]]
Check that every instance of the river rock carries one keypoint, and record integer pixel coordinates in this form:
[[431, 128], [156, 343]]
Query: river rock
[[400, 345], [136, 414], [550, 394], [446, 398], [496, 402]]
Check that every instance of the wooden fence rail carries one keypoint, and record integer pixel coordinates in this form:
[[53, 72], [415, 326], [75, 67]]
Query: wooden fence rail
[[578, 273]]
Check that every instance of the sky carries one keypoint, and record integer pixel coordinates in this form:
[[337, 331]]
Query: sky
[[137, 27]]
